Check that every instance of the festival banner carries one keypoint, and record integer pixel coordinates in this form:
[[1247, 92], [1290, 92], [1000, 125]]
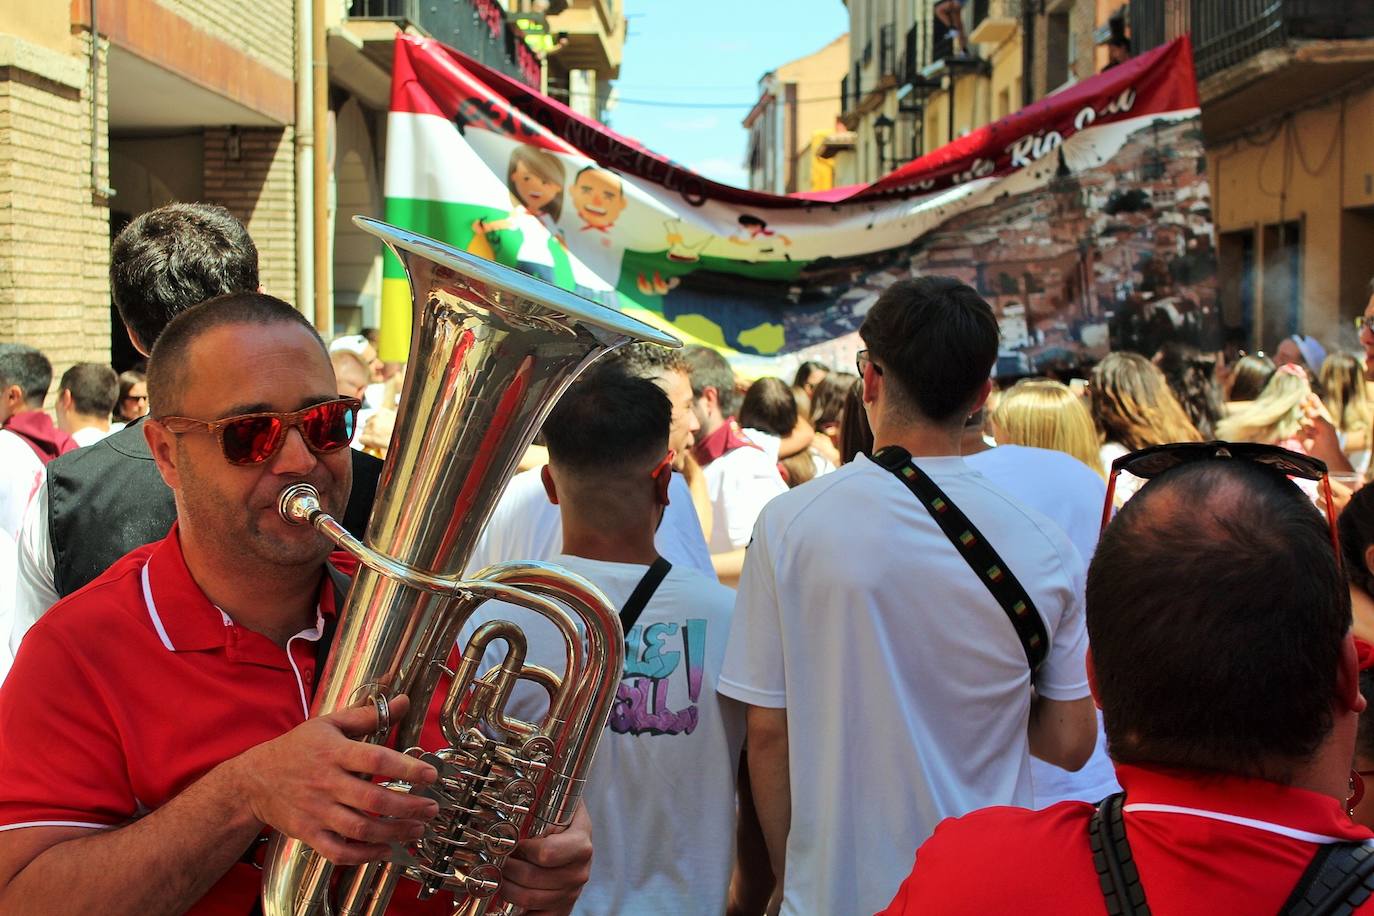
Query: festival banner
[[1084, 219]]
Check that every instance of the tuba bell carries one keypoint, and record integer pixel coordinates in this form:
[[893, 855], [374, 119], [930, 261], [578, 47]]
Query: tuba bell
[[491, 352]]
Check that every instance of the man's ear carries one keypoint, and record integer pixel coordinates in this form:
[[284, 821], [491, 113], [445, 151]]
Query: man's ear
[[1092, 679], [163, 445], [139, 345], [1348, 677], [65, 400], [661, 482], [1369, 558], [982, 397], [550, 488]]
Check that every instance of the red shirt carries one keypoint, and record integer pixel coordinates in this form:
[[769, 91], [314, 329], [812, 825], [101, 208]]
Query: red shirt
[[1194, 854], [134, 687]]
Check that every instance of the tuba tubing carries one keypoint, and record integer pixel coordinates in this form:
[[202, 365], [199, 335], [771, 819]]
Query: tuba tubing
[[491, 351]]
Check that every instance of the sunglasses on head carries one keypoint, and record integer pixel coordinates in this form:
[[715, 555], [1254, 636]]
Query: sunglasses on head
[[1148, 463], [253, 438]]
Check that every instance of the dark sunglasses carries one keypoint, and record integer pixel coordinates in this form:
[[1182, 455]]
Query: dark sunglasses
[[862, 361], [1150, 462], [253, 438]]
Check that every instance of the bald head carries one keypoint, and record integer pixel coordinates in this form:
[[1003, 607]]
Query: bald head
[[1216, 613]]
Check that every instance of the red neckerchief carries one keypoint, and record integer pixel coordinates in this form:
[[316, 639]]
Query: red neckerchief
[[727, 437], [595, 228]]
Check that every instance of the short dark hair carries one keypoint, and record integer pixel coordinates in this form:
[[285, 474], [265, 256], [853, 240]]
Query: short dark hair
[[804, 372], [711, 370], [1356, 523], [167, 364], [174, 257], [770, 406], [1216, 613], [94, 388], [607, 421], [937, 338], [26, 367], [646, 360]]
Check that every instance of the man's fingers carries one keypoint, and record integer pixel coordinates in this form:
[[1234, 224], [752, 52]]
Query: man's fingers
[[357, 827], [385, 763], [366, 796], [340, 851], [361, 721]]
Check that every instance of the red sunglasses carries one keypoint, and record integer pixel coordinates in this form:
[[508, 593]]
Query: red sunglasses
[[253, 438], [1150, 462]]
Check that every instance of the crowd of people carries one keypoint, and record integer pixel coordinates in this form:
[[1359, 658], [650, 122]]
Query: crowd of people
[[871, 618]]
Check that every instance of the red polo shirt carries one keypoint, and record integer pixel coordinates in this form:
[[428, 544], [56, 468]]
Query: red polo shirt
[[134, 687], [1204, 844]]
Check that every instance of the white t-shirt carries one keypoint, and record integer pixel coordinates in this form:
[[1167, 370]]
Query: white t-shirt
[[1070, 494], [8, 575], [34, 590], [907, 690], [89, 435], [20, 475], [1054, 484], [740, 483], [526, 526], [661, 791]]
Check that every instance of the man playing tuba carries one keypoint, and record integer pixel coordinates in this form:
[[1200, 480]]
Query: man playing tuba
[[156, 723]]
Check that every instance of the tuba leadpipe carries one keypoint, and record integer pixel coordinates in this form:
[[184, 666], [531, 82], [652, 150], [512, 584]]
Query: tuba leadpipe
[[491, 351]]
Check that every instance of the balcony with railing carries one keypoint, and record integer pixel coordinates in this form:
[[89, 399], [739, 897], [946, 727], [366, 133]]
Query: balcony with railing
[[992, 22], [478, 28], [1230, 33], [1257, 57]]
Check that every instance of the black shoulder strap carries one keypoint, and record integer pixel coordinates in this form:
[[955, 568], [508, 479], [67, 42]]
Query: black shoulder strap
[[1116, 871], [1339, 879], [639, 598], [976, 551]]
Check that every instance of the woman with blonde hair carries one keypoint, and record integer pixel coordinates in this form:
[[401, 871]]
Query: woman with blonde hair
[[1046, 414], [1343, 393], [1134, 407], [1278, 415]]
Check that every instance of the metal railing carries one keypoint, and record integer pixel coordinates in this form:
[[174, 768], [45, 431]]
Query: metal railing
[[1225, 34], [476, 27]]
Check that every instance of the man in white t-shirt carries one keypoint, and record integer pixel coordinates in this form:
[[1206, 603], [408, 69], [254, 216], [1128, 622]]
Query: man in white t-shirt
[[526, 526], [661, 792], [29, 439], [85, 399], [741, 477], [887, 687]]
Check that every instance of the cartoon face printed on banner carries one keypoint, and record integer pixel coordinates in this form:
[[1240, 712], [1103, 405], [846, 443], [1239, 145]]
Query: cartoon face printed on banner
[[599, 198], [535, 178]]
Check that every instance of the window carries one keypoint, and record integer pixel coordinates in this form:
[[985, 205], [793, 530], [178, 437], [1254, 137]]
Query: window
[[1057, 50]]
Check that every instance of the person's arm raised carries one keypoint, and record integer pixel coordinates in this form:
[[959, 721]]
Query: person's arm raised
[[303, 784]]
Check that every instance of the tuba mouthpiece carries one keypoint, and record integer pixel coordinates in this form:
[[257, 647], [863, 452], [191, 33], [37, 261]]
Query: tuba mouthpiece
[[299, 503]]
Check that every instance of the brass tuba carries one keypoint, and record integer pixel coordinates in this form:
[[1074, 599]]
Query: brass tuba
[[492, 350]]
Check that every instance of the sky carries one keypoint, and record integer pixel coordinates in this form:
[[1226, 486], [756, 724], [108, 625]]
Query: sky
[[686, 55]]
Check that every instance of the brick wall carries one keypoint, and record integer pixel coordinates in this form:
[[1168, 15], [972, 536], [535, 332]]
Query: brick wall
[[54, 237], [263, 29], [259, 188]]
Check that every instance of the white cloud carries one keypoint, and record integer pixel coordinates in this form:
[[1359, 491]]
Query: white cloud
[[722, 169]]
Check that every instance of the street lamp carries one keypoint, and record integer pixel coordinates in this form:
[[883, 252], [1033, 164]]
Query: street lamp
[[882, 133]]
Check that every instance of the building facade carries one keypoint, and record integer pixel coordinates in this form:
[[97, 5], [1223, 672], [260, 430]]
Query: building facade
[[1287, 99], [180, 100], [795, 113]]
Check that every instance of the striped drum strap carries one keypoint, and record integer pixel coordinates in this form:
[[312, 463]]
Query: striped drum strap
[[976, 551]]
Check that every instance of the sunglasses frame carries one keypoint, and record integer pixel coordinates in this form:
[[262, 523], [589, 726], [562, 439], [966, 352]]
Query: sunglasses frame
[[1289, 463], [288, 421]]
